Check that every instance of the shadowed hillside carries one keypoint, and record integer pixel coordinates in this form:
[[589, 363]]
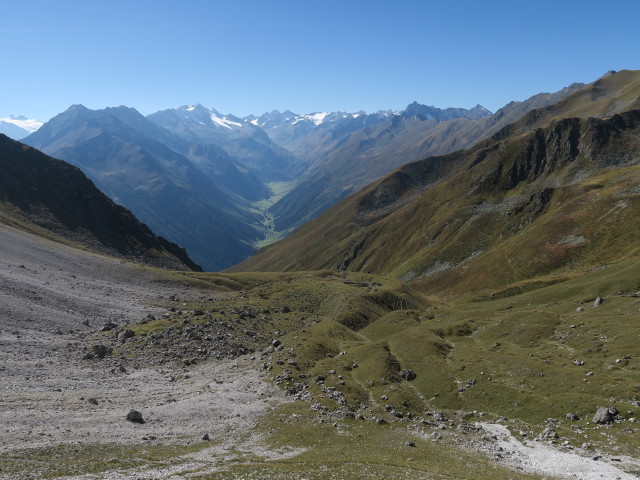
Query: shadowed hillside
[[37, 190]]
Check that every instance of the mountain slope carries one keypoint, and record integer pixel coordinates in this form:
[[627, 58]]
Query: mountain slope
[[512, 208], [245, 142], [356, 157], [161, 186], [58, 197]]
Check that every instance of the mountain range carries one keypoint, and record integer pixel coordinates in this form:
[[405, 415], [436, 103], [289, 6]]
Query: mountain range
[[470, 314], [221, 186], [556, 189]]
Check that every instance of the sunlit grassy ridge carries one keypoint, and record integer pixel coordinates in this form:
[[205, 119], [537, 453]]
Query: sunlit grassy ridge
[[553, 192]]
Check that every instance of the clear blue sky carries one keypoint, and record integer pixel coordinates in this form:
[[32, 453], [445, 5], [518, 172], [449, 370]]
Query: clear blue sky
[[253, 56]]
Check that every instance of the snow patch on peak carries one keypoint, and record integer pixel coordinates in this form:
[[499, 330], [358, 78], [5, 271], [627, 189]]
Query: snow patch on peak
[[190, 108], [317, 118], [224, 122]]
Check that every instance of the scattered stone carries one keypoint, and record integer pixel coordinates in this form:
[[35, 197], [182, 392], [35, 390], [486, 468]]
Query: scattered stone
[[573, 417], [108, 326], [598, 301], [206, 437], [135, 416], [85, 323], [410, 444], [276, 343], [439, 417], [578, 362], [124, 336], [93, 401], [408, 375], [548, 434]]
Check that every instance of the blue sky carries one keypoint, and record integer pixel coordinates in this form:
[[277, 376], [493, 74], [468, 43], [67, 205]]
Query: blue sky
[[252, 56]]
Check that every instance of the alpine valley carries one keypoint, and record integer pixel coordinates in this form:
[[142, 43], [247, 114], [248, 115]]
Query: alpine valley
[[440, 293], [223, 186]]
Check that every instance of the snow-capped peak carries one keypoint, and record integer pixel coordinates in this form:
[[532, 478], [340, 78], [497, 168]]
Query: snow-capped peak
[[318, 117], [28, 124]]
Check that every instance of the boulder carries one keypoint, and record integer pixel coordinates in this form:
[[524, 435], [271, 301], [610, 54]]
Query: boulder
[[603, 415], [108, 326], [408, 375], [135, 416], [123, 336]]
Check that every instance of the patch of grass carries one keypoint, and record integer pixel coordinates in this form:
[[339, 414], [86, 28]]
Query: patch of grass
[[83, 459], [359, 450]]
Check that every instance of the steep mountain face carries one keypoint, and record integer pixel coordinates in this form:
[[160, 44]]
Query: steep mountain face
[[36, 189], [119, 149], [244, 141], [551, 191], [18, 126]]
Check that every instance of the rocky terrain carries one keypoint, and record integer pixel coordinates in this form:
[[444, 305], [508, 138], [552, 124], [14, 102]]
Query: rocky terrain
[[110, 370], [54, 298]]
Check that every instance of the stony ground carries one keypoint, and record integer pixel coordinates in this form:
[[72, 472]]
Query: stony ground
[[52, 298]]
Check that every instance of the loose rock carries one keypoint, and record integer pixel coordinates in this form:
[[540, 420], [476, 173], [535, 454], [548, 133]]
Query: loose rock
[[135, 416], [603, 415], [408, 375]]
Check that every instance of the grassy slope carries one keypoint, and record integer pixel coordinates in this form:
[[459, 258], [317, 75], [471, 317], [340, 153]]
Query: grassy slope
[[508, 354], [520, 205]]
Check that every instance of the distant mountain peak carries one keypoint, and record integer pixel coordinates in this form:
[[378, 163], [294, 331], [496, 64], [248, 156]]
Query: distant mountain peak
[[18, 126]]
